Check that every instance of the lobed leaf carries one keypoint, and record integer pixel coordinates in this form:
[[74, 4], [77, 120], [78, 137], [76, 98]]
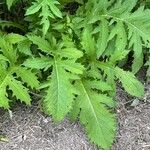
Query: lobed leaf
[[129, 82], [28, 77], [98, 121], [20, 91]]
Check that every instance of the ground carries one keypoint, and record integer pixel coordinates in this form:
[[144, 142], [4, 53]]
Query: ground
[[29, 129], [134, 123]]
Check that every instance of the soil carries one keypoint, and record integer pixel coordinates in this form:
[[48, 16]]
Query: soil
[[29, 129], [133, 123]]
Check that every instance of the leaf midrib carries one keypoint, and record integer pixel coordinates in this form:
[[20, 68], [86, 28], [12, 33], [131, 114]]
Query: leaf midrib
[[89, 101], [58, 85], [127, 22]]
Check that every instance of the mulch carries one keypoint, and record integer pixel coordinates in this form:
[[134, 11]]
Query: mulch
[[29, 129]]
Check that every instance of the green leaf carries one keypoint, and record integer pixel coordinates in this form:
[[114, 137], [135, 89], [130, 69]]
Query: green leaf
[[42, 44], [72, 66], [8, 50], [14, 38], [9, 3], [59, 98], [20, 91], [45, 21], [99, 122], [48, 10], [121, 37], [70, 52], [118, 56], [100, 85], [28, 77], [129, 82], [4, 101], [36, 6], [103, 37], [132, 22], [38, 63], [136, 42], [24, 47], [54, 9], [2, 57], [88, 43], [65, 69]]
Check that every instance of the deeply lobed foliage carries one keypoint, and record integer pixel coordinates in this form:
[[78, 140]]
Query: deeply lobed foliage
[[75, 58]]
